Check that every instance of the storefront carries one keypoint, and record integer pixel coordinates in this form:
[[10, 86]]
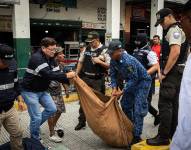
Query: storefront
[[61, 30]]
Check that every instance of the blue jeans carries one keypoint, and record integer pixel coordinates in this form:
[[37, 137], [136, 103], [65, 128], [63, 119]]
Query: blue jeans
[[33, 101]]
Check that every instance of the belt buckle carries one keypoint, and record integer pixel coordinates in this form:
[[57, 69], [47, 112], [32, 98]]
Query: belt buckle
[[181, 65]]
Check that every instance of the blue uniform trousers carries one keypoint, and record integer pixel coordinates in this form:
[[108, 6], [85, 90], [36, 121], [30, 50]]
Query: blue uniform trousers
[[135, 106]]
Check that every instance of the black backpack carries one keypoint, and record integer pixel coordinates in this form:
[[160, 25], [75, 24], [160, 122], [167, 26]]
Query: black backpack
[[28, 144]]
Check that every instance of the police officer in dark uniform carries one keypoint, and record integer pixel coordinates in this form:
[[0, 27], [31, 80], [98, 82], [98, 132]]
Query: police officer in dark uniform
[[174, 55], [9, 91], [92, 66], [149, 60]]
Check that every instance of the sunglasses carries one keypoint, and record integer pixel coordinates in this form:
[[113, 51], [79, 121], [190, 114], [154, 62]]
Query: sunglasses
[[51, 49]]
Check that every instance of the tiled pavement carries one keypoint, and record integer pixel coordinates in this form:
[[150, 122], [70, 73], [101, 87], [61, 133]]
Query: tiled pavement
[[81, 140]]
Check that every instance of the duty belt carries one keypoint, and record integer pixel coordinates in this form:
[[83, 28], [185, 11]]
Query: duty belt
[[6, 86], [181, 65], [90, 74], [93, 75]]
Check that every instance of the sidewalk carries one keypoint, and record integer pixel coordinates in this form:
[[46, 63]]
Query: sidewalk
[[77, 140]]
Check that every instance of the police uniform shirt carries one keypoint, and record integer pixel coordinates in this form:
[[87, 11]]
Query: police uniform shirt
[[131, 70], [176, 36], [9, 86], [104, 56]]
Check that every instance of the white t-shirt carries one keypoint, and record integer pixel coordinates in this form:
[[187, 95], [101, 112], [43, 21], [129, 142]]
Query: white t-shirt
[[152, 58]]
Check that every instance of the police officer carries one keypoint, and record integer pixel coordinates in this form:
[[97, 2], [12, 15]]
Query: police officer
[[181, 139], [136, 88], [174, 55], [40, 71], [82, 47], [93, 63], [149, 60], [9, 91]]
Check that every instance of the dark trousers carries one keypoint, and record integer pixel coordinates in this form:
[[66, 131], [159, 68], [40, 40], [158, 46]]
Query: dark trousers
[[168, 102], [152, 110], [96, 84]]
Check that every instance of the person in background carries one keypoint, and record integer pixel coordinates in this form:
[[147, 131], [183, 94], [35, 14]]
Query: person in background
[[181, 139], [136, 89], [55, 90], [9, 91], [156, 46], [82, 47], [40, 71], [149, 60]]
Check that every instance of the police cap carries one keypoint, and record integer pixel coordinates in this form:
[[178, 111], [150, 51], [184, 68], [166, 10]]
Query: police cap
[[114, 45], [6, 52], [161, 14], [92, 36]]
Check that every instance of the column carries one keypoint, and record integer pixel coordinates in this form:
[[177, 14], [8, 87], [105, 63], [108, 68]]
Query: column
[[21, 34], [113, 20], [156, 5]]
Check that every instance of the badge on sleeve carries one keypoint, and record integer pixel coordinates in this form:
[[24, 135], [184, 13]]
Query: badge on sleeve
[[176, 35]]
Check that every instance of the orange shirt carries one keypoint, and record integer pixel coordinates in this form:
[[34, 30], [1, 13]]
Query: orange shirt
[[157, 50]]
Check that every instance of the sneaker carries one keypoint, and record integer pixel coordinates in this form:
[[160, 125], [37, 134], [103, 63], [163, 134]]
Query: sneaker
[[55, 139]]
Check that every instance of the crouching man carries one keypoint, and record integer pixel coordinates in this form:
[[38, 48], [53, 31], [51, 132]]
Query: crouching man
[[41, 70], [136, 88]]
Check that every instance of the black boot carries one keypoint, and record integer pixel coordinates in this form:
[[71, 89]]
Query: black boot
[[136, 140], [157, 120], [80, 126], [158, 141]]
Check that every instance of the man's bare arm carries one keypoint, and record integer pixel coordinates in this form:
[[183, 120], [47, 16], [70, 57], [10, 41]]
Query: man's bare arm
[[173, 57]]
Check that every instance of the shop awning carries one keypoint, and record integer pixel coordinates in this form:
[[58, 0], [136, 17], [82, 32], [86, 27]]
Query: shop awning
[[9, 1], [56, 23]]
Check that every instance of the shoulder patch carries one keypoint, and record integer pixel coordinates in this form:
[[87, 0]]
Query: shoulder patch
[[176, 35]]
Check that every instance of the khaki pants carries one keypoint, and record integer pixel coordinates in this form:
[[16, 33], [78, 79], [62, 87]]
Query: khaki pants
[[10, 121]]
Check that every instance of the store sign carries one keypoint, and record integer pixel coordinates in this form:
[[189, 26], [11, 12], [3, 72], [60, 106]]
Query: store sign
[[5, 24], [9, 1], [87, 25]]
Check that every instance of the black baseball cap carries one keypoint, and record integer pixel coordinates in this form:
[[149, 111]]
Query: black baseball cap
[[161, 14], [6, 53], [92, 36], [114, 45]]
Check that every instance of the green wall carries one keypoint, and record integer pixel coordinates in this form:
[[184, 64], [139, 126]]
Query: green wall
[[22, 46]]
